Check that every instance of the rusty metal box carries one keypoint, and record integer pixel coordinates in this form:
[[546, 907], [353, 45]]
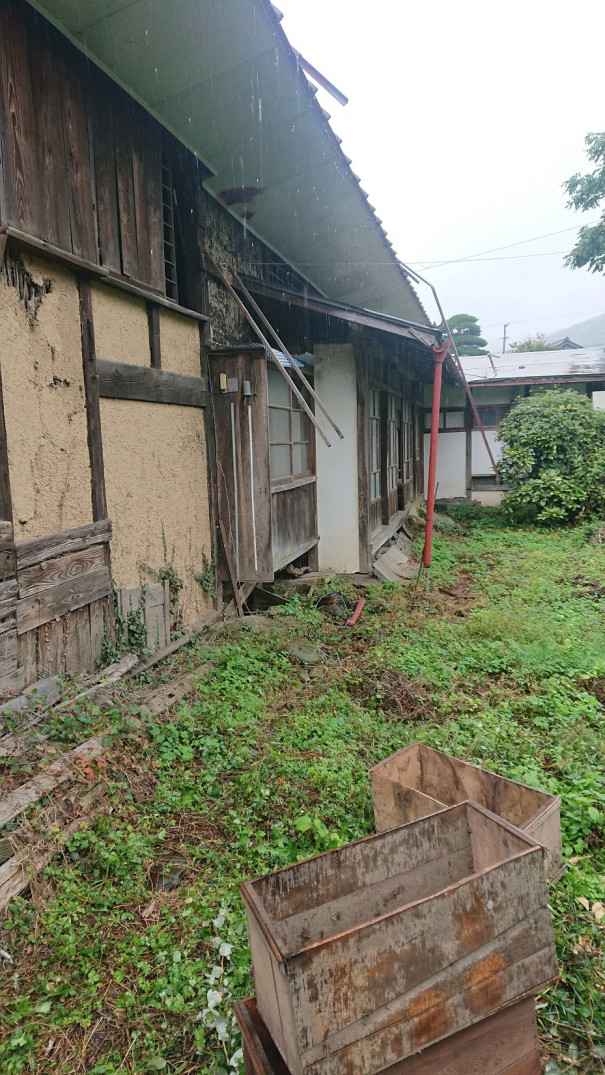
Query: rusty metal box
[[418, 781], [365, 955]]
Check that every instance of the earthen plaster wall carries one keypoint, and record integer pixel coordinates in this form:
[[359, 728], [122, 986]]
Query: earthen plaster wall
[[180, 343], [44, 405], [121, 326], [155, 476]]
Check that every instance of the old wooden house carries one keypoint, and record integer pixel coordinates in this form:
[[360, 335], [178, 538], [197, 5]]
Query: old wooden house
[[464, 468], [169, 186]]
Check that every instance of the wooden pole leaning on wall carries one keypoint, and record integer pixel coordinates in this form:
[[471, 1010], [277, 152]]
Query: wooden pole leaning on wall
[[285, 351], [216, 269]]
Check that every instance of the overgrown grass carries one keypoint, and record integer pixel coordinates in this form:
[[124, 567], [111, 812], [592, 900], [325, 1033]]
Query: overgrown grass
[[502, 663]]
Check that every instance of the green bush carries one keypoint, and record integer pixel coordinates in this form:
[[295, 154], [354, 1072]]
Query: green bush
[[554, 459]]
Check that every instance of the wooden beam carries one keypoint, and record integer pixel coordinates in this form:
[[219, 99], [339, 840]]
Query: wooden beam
[[117, 380], [93, 410], [153, 322], [468, 438], [384, 457], [363, 470], [211, 466], [6, 502], [104, 274]]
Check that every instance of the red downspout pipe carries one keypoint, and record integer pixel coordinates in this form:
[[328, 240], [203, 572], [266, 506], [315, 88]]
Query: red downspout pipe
[[439, 354]]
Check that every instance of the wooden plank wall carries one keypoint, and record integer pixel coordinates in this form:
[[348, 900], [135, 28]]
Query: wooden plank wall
[[81, 159], [231, 432], [152, 604], [55, 603]]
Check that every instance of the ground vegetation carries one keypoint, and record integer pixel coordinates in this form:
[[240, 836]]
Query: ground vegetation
[[130, 951]]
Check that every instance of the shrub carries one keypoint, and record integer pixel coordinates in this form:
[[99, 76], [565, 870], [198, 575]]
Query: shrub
[[554, 459]]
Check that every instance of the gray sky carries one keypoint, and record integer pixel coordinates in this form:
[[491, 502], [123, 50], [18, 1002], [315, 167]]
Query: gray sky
[[464, 118]]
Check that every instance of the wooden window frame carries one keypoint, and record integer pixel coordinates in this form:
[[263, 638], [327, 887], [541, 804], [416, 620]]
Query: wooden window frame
[[294, 477]]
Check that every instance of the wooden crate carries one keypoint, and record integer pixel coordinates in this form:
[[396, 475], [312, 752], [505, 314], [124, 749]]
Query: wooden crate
[[503, 1044], [368, 954], [418, 781]]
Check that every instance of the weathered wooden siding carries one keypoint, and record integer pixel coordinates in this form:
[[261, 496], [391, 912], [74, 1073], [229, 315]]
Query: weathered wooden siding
[[293, 522], [81, 160], [55, 603], [418, 781], [242, 454], [388, 945]]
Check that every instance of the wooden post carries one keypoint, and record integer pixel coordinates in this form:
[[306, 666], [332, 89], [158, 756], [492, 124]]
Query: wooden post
[[468, 430], [211, 466], [363, 479], [384, 456], [93, 420], [93, 409], [6, 503], [153, 321]]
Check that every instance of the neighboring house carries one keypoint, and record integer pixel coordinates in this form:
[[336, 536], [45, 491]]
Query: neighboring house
[[144, 433], [566, 345], [496, 382]]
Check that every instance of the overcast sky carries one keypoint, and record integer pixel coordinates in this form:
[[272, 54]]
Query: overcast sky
[[464, 119]]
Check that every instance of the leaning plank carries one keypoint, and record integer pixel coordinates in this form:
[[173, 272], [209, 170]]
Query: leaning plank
[[196, 629], [110, 675], [167, 696], [48, 691], [16, 872], [118, 380], [63, 597], [44, 692], [67, 766], [14, 681], [75, 540]]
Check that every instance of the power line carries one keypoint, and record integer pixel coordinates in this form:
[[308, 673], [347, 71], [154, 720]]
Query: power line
[[509, 246]]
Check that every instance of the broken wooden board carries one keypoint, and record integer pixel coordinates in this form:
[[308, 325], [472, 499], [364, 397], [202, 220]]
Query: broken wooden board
[[395, 566], [68, 765], [16, 872], [167, 696]]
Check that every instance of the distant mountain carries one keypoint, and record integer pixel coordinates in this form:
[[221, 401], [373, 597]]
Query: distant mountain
[[589, 333]]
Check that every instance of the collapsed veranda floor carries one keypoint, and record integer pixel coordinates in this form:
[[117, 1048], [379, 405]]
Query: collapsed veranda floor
[[502, 662]]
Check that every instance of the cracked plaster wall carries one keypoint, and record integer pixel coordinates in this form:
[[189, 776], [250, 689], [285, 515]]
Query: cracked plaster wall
[[44, 405]]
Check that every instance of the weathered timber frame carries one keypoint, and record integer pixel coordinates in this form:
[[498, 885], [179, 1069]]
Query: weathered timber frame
[[118, 380]]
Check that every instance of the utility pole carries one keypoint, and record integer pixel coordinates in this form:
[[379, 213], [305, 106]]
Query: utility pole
[[504, 338]]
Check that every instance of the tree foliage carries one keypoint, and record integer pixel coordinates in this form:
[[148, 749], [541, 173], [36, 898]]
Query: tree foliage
[[587, 192], [553, 458], [532, 343], [466, 334]]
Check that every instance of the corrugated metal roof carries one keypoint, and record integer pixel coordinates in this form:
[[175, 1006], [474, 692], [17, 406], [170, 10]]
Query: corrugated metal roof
[[221, 75], [586, 362]]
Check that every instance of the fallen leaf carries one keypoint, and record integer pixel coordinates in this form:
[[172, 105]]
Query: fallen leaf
[[584, 902], [598, 910], [148, 910]]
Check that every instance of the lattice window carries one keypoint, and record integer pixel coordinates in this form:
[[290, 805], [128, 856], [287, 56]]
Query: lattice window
[[289, 440], [168, 219]]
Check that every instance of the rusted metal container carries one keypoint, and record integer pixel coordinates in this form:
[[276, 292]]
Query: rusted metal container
[[365, 955], [418, 781], [503, 1044]]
